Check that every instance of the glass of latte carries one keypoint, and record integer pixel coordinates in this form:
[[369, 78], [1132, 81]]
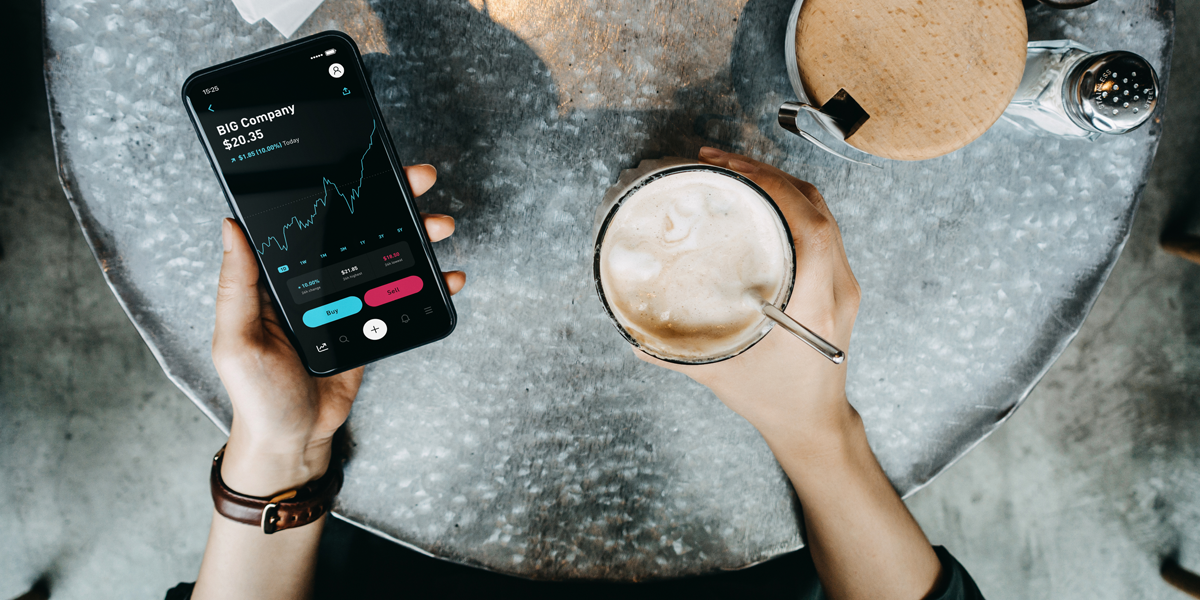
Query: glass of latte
[[686, 257]]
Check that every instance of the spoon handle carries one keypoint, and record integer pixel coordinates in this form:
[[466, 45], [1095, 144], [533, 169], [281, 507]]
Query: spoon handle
[[805, 334]]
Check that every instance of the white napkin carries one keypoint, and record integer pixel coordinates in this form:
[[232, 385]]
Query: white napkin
[[286, 15]]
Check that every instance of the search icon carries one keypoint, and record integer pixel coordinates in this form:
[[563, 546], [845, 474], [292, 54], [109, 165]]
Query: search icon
[[344, 339]]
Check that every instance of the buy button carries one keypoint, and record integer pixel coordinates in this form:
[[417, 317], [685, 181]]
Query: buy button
[[394, 291]]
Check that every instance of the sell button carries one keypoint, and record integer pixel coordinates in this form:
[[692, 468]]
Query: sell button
[[394, 290], [333, 311]]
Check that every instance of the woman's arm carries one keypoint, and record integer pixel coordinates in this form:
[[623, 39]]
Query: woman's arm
[[283, 424], [864, 542]]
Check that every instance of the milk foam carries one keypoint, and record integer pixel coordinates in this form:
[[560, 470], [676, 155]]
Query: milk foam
[[687, 261]]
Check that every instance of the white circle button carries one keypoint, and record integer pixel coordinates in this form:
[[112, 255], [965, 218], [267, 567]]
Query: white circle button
[[375, 329], [336, 70]]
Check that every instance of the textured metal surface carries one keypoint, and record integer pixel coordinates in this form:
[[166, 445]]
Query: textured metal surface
[[531, 441]]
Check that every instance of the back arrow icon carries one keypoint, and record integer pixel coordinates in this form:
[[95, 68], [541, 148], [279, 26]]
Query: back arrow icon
[[210, 108]]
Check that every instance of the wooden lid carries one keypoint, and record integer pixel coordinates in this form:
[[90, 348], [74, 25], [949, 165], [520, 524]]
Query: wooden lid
[[933, 75]]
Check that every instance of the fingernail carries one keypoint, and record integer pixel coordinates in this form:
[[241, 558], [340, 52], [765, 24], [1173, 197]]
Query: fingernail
[[707, 152], [741, 166], [227, 235]]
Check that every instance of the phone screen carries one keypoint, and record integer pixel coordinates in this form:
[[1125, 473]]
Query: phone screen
[[295, 136]]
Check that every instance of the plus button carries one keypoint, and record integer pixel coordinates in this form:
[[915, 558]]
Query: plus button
[[375, 329]]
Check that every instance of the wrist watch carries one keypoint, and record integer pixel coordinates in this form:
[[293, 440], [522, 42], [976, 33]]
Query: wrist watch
[[290, 509]]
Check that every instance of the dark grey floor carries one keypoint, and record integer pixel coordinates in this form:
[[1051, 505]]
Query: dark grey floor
[[103, 462], [1097, 477], [101, 476]]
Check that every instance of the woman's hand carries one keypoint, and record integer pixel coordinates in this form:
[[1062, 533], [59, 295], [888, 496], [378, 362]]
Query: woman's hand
[[784, 388], [864, 542], [283, 424], [283, 418]]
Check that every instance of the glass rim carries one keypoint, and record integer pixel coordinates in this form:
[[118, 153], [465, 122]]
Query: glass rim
[[634, 188]]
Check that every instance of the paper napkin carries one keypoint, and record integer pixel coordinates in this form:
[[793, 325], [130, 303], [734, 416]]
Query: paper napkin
[[286, 15]]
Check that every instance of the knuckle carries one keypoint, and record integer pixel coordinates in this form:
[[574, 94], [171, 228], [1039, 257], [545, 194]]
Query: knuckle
[[821, 234], [809, 190], [847, 305], [854, 298], [771, 184], [226, 289]]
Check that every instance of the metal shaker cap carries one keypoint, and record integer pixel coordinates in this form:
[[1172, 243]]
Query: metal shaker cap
[[1111, 92]]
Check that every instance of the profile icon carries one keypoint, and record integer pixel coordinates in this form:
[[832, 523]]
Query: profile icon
[[336, 70]]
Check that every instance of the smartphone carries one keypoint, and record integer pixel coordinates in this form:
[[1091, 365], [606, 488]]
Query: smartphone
[[294, 135]]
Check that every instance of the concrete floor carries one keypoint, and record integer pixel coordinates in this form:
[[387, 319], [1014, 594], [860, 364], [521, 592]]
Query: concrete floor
[[102, 459], [1097, 477], [103, 463]]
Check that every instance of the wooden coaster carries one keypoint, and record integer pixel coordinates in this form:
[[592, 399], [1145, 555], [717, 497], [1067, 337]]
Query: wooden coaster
[[932, 74]]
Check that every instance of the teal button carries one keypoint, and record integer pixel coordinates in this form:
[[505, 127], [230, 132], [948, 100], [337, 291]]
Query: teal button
[[323, 315]]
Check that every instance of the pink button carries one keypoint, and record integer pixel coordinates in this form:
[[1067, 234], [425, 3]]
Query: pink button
[[394, 291]]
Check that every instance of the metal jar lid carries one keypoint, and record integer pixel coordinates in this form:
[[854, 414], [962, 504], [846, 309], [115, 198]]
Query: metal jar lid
[[1111, 92]]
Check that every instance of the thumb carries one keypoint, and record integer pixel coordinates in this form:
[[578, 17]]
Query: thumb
[[239, 306]]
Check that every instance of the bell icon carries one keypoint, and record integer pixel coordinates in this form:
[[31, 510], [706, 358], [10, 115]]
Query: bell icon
[[403, 318]]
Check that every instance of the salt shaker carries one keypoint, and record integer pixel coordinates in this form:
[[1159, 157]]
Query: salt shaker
[[1072, 92]]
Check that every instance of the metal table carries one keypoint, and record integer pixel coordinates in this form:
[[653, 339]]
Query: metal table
[[532, 441]]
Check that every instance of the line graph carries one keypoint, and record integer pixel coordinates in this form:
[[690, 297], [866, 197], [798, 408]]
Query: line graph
[[281, 241]]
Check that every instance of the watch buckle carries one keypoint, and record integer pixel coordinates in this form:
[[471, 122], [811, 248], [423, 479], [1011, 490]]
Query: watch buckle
[[270, 517]]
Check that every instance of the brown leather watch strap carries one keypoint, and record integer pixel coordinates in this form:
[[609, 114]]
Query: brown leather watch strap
[[290, 509]]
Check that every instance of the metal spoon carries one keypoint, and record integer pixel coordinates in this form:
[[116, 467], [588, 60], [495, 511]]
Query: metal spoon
[[805, 334]]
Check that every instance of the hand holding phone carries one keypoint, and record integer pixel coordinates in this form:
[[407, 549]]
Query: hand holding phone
[[299, 145], [284, 418]]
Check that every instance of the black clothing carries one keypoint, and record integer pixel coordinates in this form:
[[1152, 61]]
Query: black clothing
[[958, 585]]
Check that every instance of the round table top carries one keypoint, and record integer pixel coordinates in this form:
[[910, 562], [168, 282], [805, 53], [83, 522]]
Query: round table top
[[532, 441]]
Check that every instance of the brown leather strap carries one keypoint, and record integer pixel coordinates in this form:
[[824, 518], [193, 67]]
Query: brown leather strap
[[290, 509]]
